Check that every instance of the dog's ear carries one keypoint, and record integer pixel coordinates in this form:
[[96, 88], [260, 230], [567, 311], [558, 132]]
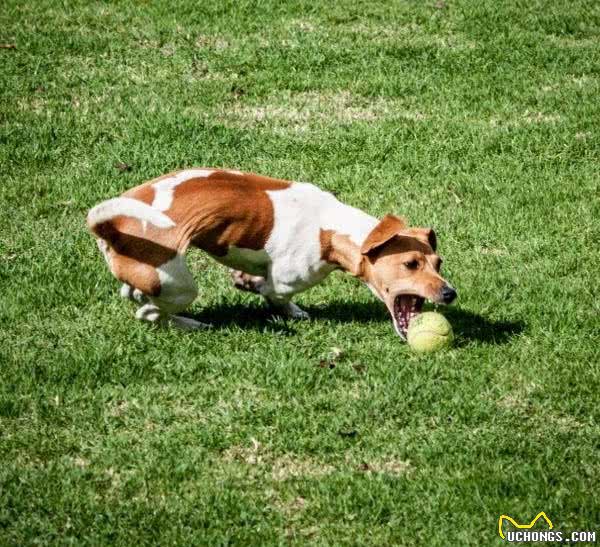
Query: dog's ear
[[426, 235], [389, 227]]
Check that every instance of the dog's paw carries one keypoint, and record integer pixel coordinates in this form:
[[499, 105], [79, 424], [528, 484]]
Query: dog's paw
[[293, 311], [128, 292], [247, 282], [148, 312]]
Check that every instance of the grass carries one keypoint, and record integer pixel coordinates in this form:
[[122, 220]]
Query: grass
[[480, 119]]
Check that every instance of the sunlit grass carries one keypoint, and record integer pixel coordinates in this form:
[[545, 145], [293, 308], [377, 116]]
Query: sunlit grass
[[480, 119]]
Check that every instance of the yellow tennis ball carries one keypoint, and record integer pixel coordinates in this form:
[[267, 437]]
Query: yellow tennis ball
[[429, 331]]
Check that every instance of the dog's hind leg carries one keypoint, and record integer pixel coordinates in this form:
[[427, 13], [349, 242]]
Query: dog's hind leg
[[131, 293], [167, 289], [177, 291]]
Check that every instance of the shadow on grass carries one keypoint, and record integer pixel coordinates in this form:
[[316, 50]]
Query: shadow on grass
[[472, 327], [468, 326], [245, 317]]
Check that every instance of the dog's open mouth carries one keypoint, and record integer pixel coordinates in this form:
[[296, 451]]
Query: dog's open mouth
[[406, 306]]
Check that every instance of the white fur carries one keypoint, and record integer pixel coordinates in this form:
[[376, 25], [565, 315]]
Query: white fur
[[154, 314], [246, 260], [163, 189], [290, 262], [177, 286], [128, 207], [148, 312], [131, 293], [294, 246], [177, 291], [347, 220]]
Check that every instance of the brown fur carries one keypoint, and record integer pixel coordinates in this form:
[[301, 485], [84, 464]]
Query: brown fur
[[393, 259], [389, 226], [427, 235], [406, 264], [226, 210], [340, 250], [211, 213], [137, 274], [382, 259]]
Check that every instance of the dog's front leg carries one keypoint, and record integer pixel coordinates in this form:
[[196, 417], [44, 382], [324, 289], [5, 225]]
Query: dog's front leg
[[285, 308], [279, 302], [279, 295]]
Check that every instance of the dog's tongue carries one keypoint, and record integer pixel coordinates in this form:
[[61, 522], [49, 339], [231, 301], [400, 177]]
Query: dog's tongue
[[406, 306]]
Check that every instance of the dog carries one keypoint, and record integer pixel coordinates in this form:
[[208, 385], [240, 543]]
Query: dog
[[279, 238]]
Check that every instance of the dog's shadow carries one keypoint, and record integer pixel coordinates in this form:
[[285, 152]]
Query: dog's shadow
[[468, 326], [244, 316], [472, 327]]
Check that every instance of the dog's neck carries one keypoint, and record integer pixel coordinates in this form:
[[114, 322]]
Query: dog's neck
[[339, 250], [343, 230]]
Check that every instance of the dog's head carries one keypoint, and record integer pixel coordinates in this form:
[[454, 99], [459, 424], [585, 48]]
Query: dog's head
[[401, 267]]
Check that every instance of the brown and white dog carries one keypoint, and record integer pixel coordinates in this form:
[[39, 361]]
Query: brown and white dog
[[279, 237]]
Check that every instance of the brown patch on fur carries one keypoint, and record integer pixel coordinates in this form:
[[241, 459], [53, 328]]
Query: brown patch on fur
[[226, 209], [133, 259], [137, 274], [325, 237], [390, 226], [404, 243], [340, 250], [144, 192], [212, 213], [143, 250]]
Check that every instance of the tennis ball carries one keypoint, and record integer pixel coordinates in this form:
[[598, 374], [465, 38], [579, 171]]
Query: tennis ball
[[429, 331]]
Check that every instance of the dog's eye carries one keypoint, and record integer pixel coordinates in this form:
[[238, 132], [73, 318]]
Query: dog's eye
[[412, 264]]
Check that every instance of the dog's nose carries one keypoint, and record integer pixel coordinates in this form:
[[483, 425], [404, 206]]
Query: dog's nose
[[448, 294]]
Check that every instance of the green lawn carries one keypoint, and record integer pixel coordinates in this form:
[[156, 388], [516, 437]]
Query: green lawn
[[479, 118]]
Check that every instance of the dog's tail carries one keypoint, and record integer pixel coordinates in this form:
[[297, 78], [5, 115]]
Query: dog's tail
[[100, 217]]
